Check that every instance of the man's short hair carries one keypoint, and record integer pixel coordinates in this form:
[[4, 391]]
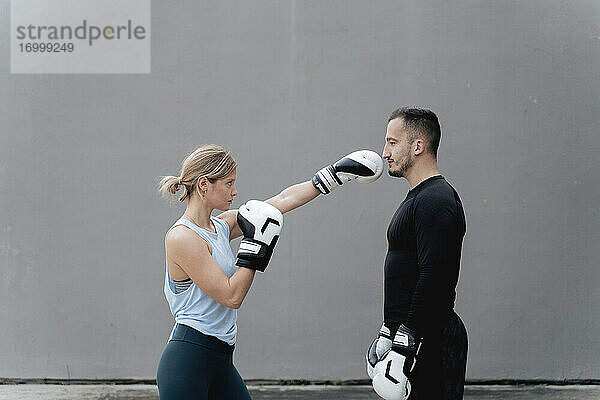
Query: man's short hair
[[420, 122]]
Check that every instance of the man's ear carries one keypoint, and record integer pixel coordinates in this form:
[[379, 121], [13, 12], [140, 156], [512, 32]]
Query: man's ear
[[418, 146]]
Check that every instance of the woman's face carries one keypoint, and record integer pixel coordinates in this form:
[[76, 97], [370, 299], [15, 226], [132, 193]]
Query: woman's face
[[221, 193]]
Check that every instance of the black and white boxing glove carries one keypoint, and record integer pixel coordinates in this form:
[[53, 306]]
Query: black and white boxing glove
[[378, 349], [364, 165], [390, 379], [261, 224]]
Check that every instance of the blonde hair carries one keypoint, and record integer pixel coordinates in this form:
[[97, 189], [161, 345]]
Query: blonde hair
[[209, 160]]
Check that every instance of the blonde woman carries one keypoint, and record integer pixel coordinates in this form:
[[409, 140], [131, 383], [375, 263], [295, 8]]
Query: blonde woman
[[204, 284]]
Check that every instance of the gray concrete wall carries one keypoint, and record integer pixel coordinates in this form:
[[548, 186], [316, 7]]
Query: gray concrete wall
[[288, 86]]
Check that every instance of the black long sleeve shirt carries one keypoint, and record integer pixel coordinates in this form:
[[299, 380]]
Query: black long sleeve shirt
[[423, 260]]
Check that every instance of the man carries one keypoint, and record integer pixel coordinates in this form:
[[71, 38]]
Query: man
[[422, 346]]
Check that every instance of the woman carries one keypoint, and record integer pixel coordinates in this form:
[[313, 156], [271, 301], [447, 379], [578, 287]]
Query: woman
[[203, 286]]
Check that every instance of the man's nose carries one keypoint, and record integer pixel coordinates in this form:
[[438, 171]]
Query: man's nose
[[385, 153]]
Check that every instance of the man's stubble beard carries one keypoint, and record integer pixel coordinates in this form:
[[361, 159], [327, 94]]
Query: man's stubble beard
[[404, 166]]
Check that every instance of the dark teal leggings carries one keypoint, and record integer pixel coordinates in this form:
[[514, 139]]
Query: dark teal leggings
[[199, 367]]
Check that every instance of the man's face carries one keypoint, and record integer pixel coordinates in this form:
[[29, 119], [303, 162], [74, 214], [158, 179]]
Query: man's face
[[397, 150]]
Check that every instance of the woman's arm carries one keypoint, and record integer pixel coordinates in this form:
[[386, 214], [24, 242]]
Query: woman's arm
[[364, 165], [192, 254], [231, 218], [290, 198], [294, 197]]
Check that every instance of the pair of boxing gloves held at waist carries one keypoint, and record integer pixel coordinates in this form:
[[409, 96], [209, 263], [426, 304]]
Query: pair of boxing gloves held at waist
[[390, 362], [261, 223]]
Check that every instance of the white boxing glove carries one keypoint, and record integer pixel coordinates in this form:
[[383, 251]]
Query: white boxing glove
[[364, 165], [390, 381], [261, 224], [378, 349]]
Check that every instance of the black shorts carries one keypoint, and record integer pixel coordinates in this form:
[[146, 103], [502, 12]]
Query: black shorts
[[439, 373]]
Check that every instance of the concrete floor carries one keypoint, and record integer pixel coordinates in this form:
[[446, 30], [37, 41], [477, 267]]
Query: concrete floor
[[149, 392]]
